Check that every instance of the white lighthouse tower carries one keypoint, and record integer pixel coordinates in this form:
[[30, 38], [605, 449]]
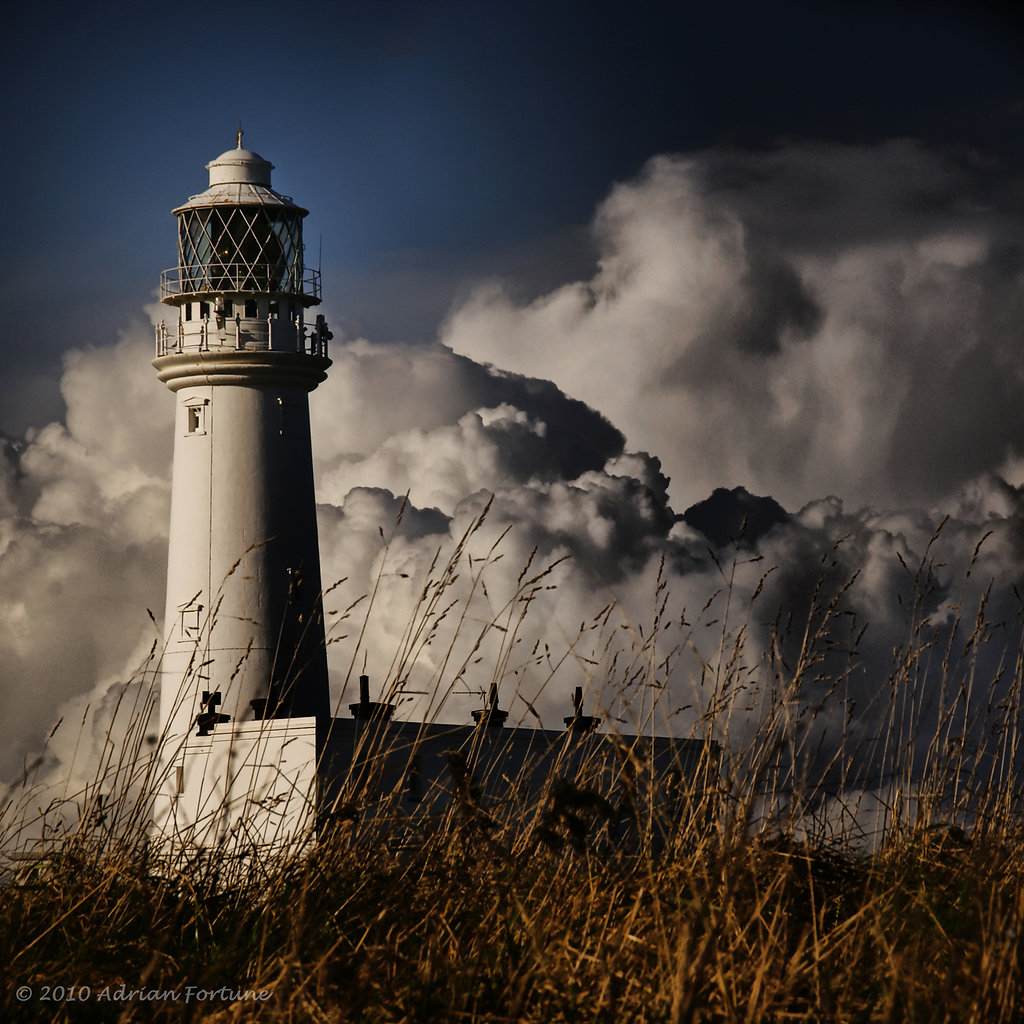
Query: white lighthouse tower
[[252, 758], [244, 635]]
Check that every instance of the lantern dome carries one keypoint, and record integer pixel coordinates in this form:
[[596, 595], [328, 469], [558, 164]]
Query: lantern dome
[[241, 166]]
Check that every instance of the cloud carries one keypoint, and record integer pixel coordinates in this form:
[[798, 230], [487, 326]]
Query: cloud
[[816, 319], [722, 341], [82, 540], [380, 399], [85, 504]]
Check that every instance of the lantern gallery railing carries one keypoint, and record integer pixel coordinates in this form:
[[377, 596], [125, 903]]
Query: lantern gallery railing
[[255, 335], [235, 278]]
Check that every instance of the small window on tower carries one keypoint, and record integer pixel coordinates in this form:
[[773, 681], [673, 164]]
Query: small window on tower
[[188, 310], [190, 621], [195, 416], [250, 309], [229, 308], [204, 310]]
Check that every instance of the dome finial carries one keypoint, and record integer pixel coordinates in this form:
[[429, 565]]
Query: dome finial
[[238, 135]]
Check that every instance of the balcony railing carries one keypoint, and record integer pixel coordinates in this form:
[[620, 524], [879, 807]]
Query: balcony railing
[[208, 335], [235, 278]]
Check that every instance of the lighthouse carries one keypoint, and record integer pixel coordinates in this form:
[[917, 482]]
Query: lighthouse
[[243, 625], [251, 759]]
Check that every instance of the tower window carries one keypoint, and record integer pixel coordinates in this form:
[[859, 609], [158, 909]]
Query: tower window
[[250, 309], [188, 310], [195, 416], [275, 309], [204, 309], [190, 621], [229, 307]]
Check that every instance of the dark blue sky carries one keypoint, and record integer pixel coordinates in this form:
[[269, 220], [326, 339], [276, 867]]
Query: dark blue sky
[[434, 142]]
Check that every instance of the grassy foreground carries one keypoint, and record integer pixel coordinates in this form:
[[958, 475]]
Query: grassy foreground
[[723, 929], [768, 914]]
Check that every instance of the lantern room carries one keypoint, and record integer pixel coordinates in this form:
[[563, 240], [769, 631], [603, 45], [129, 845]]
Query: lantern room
[[241, 280]]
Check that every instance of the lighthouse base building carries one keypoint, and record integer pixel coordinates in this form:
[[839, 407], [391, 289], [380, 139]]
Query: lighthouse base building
[[252, 756], [280, 785]]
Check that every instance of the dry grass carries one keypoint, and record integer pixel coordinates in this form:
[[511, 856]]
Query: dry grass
[[726, 929], [779, 911]]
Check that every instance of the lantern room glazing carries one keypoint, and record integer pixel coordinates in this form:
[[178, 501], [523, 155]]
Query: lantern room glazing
[[241, 280]]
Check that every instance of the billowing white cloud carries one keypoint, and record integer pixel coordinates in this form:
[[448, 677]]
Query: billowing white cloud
[[82, 541], [732, 343], [817, 319]]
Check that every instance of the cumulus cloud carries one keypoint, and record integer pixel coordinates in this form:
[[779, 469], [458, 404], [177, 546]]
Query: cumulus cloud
[[817, 319], [550, 499], [82, 542]]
